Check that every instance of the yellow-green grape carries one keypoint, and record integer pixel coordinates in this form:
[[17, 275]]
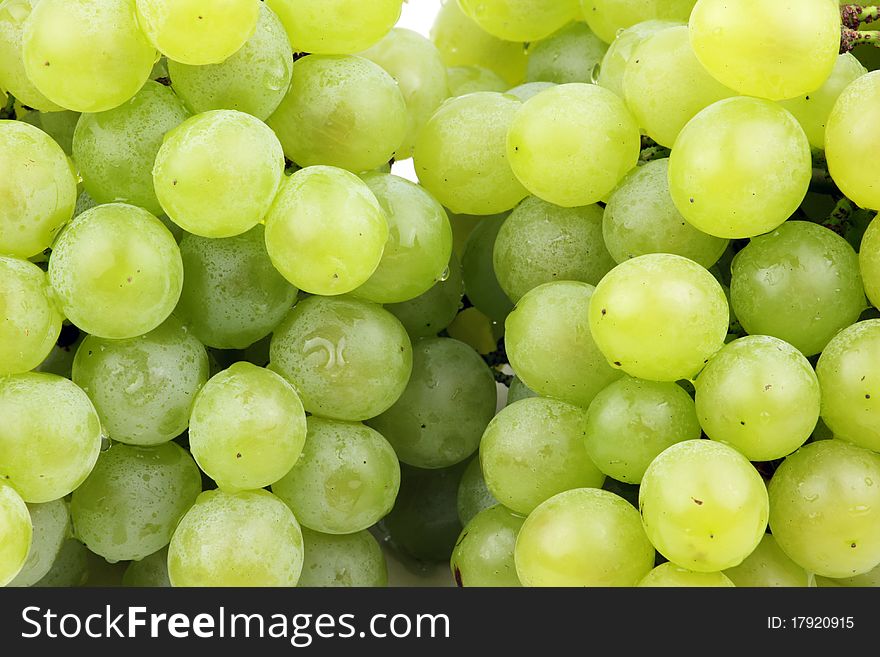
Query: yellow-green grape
[[352, 560], [583, 537], [471, 79], [347, 359], [431, 312], [115, 150], [116, 271], [37, 189], [345, 481], [551, 347], [868, 579], [232, 294], [149, 572], [86, 55], [569, 55], [659, 317], [759, 395], [326, 232], [198, 32], [769, 566], [800, 283], [16, 532], [70, 566], [728, 189], [473, 494], [13, 78], [669, 575], [419, 241], [824, 508], [849, 144], [249, 538], [247, 427], [31, 323], [608, 17], [521, 20], [530, 89], [632, 421], [541, 243], [246, 165], [703, 505], [869, 261], [613, 64], [478, 270], [417, 66], [50, 436], [143, 387], [534, 449], [51, 526], [129, 505], [342, 111], [571, 145], [483, 554], [58, 125]]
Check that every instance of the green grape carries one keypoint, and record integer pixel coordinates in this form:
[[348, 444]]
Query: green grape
[[759, 395], [429, 313], [31, 323], [246, 165], [869, 261], [58, 125], [116, 271], [247, 427], [13, 78], [326, 232], [232, 294], [345, 481], [824, 506], [640, 218], [541, 243], [868, 579], [149, 572], [534, 449], [632, 421], [86, 55], [659, 317], [473, 494], [60, 358], [16, 533], [800, 283], [38, 189], [727, 190], [551, 347], [440, 417], [475, 329], [769, 566], [69, 568], [115, 150], [478, 270], [254, 80], [569, 55], [353, 560], [198, 32], [583, 537], [521, 20], [342, 111], [613, 64], [703, 505], [483, 555], [131, 502], [669, 575], [608, 17], [530, 89], [85, 202], [143, 388], [51, 524], [519, 390], [236, 539], [571, 145], [472, 79], [740, 45]]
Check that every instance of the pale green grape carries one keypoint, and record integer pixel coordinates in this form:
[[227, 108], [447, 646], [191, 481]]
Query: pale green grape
[[659, 317], [608, 17], [58, 125], [569, 55], [198, 31], [478, 270], [521, 20], [116, 271], [632, 421], [703, 505], [346, 479], [551, 347], [472, 79], [115, 150], [431, 312], [60, 358], [742, 44], [669, 575], [13, 14], [583, 537], [440, 417], [759, 395], [800, 283], [740, 168], [37, 190], [534, 449], [519, 390], [571, 145], [342, 111], [868, 579], [86, 55], [483, 555], [769, 566], [16, 532], [353, 560], [131, 502], [869, 261], [49, 438], [530, 89], [232, 294], [824, 508], [51, 525], [613, 64], [473, 494], [541, 243], [326, 232], [69, 568], [151, 571], [247, 427], [236, 539], [245, 164]]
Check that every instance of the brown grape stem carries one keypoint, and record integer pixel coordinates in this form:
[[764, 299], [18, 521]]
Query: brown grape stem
[[850, 38], [853, 15]]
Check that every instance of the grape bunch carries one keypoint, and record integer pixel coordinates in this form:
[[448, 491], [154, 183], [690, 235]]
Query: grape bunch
[[618, 326]]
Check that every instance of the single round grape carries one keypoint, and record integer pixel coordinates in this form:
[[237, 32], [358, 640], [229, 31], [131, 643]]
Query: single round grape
[[149, 572], [608, 17], [483, 555], [236, 539], [869, 261], [70, 568], [530, 89], [13, 14], [613, 65], [51, 526], [768, 566], [16, 532], [431, 312], [58, 125], [478, 270], [669, 575], [473, 494], [352, 560], [464, 80], [521, 20], [568, 55]]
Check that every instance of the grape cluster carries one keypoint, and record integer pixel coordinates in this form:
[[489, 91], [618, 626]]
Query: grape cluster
[[237, 350]]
